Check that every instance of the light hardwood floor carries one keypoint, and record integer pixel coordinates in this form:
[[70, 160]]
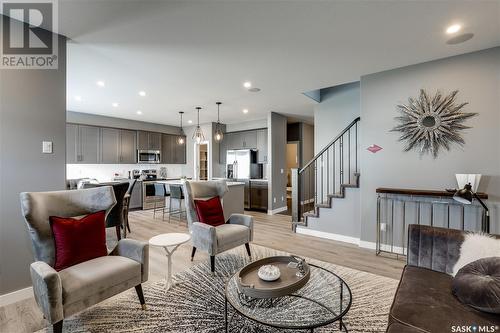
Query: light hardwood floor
[[270, 231]]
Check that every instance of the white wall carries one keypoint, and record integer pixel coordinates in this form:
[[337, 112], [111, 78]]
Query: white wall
[[476, 76]]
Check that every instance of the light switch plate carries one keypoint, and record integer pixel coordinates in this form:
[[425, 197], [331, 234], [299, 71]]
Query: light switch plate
[[47, 147]]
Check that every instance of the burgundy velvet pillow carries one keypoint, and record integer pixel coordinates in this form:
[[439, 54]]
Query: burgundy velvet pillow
[[210, 211], [78, 240]]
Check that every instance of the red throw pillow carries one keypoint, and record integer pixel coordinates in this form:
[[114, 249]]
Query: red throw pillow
[[78, 240], [210, 211]]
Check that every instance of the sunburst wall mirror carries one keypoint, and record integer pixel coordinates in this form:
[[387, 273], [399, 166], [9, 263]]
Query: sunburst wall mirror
[[430, 124]]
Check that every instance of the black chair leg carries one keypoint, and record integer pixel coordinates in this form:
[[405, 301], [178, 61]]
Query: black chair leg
[[212, 263], [193, 253], [247, 246], [138, 290], [57, 327], [118, 232]]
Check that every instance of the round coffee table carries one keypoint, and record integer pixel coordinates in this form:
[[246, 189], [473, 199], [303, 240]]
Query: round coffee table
[[169, 242], [325, 299]]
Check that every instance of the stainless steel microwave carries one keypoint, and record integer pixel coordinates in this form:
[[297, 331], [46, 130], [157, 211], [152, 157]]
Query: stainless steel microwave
[[148, 156]]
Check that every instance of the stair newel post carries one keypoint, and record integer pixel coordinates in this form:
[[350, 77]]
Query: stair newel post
[[295, 196]]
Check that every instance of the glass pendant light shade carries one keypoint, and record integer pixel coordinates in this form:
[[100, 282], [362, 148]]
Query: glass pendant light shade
[[198, 133], [218, 130], [180, 138]]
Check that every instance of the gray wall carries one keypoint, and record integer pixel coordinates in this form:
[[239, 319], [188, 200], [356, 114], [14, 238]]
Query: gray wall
[[307, 143], [98, 120], [277, 153], [476, 76], [246, 125], [339, 106], [32, 109]]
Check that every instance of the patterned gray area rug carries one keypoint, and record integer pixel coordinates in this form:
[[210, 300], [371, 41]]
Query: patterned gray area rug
[[196, 304]]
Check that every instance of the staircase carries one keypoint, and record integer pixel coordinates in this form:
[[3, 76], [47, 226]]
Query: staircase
[[326, 177]]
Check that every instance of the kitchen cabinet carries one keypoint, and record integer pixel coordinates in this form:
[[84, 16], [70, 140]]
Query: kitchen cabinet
[[258, 195], [149, 140], [128, 147], [82, 144], [117, 146], [222, 149], [262, 146], [110, 145], [249, 139], [172, 152]]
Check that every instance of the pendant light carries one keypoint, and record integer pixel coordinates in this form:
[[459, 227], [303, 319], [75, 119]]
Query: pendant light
[[180, 138], [198, 133], [218, 131]]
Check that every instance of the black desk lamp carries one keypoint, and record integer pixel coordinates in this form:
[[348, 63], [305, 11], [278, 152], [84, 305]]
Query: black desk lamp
[[465, 196]]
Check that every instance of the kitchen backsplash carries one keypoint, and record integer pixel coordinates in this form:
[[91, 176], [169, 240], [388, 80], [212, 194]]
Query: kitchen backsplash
[[106, 172]]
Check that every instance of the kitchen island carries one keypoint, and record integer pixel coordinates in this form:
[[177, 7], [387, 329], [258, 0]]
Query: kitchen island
[[232, 202]]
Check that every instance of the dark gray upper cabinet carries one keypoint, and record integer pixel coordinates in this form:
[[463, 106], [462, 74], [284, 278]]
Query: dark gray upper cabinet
[[262, 146], [110, 145], [222, 149], [171, 151], [154, 141], [128, 147], [72, 150], [167, 145], [149, 140], [180, 152], [249, 139], [88, 138]]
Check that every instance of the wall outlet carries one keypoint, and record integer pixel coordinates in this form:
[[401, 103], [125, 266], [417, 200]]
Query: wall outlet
[[282, 170], [47, 147], [383, 226], [282, 198], [274, 200]]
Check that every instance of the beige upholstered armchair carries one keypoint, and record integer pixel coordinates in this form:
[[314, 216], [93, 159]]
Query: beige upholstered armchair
[[60, 294], [214, 240]]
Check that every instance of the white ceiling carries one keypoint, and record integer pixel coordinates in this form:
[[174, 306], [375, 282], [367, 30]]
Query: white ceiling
[[193, 53]]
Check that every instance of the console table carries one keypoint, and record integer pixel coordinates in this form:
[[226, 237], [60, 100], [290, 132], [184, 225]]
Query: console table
[[397, 208]]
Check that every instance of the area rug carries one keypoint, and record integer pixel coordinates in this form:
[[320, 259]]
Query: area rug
[[196, 304]]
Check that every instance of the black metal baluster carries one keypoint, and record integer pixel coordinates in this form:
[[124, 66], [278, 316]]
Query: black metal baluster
[[356, 127], [328, 171], [341, 160], [334, 169], [349, 155]]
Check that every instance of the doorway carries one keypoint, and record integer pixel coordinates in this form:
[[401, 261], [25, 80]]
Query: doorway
[[201, 161], [292, 161]]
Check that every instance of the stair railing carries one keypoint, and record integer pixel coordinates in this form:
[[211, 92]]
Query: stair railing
[[321, 178]]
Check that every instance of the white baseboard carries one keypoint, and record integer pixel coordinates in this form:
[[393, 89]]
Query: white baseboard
[[277, 210], [383, 247], [327, 235], [16, 296]]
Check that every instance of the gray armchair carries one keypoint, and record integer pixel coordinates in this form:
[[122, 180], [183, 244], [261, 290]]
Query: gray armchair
[[61, 294], [214, 240]]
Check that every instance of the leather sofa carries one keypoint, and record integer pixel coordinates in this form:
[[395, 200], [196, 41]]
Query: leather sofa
[[424, 301]]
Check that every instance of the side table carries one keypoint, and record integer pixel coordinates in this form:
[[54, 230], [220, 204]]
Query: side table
[[169, 242]]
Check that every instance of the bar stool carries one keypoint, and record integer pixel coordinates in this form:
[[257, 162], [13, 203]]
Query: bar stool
[[126, 206], [158, 193], [176, 194]]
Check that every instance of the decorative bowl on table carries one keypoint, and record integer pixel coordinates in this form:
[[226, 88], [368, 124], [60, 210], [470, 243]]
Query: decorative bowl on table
[[294, 274], [269, 273]]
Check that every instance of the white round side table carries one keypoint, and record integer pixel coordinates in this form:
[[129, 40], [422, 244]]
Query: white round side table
[[169, 242]]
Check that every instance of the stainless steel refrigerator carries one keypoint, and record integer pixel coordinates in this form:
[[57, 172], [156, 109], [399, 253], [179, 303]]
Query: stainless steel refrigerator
[[242, 166]]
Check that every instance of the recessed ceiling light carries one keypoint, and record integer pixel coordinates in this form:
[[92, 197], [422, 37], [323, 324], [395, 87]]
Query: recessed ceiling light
[[115, 105], [142, 93], [190, 121], [78, 98], [100, 83], [247, 84], [245, 110], [139, 112], [453, 28]]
